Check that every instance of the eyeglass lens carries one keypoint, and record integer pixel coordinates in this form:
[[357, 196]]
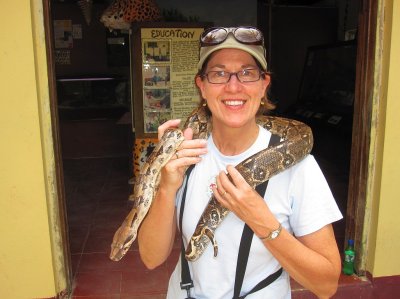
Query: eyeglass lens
[[221, 77], [248, 34], [242, 34], [215, 36]]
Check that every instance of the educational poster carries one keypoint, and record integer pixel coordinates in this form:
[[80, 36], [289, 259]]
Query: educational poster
[[63, 34], [168, 65], [62, 57]]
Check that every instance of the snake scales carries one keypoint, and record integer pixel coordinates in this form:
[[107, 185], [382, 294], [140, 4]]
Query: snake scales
[[296, 143]]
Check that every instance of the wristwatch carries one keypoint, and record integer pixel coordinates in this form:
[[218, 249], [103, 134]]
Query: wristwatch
[[273, 234]]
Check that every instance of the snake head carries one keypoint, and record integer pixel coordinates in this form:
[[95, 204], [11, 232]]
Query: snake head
[[124, 237], [122, 241]]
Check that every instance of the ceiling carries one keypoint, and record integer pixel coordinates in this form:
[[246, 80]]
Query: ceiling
[[276, 2]]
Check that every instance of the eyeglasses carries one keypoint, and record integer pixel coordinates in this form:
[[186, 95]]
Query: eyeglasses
[[245, 34], [223, 77]]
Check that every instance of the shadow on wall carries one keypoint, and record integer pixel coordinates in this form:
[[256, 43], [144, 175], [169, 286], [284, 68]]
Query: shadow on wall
[[226, 13]]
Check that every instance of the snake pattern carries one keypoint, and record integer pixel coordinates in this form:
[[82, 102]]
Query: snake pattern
[[145, 189], [296, 143]]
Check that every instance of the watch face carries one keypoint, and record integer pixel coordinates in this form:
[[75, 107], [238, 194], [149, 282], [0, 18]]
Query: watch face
[[274, 234]]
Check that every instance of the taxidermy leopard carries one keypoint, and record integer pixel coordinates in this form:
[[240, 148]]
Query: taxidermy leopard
[[121, 13]]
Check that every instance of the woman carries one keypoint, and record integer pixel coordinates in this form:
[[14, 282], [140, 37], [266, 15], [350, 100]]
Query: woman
[[292, 220]]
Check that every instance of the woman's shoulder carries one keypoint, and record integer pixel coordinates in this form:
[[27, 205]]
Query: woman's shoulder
[[306, 164]]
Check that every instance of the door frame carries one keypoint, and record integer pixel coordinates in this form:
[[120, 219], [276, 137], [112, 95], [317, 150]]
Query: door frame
[[362, 126], [361, 139], [59, 173]]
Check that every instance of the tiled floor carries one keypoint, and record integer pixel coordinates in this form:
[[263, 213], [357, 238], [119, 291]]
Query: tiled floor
[[97, 190]]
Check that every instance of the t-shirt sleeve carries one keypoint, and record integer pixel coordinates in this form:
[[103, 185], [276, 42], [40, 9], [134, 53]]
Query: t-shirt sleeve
[[313, 205]]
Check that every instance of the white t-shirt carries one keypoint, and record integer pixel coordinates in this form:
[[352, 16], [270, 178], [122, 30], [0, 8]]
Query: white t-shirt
[[299, 198]]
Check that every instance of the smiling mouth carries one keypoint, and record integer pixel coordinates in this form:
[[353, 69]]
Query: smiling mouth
[[234, 103]]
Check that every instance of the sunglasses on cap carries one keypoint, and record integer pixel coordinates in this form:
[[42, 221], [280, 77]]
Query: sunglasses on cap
[[245, 34]]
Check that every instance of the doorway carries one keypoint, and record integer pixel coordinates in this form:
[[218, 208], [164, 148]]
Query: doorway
[[107, 171], [312, 57]]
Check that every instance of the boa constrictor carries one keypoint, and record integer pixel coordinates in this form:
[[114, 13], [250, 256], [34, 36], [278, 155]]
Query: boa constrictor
[[296, 143]]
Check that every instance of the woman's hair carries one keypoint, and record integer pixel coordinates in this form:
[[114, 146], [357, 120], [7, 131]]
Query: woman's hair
[[264, 108]]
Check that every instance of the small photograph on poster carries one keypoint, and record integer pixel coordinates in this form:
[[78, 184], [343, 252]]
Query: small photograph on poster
[[156, 76], [157, 98], [156, 51], [153, 119]]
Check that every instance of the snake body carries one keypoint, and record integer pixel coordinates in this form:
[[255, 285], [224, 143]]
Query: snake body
[[296, 143], [146, 187]]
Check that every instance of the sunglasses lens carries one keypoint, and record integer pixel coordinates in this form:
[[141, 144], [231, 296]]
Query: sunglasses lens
[[248, 35], [245, 35], [214, 36]]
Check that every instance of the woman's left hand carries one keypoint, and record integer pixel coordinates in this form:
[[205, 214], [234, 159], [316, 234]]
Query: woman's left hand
[[302, 257], [240, 198]]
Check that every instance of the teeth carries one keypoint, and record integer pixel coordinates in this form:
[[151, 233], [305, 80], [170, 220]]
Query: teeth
[[234, 103]]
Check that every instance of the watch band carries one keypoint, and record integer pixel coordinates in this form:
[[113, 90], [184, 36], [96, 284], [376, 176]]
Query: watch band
[[273, 234]]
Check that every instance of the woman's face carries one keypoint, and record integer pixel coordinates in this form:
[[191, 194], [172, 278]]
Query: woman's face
[[232, 104]]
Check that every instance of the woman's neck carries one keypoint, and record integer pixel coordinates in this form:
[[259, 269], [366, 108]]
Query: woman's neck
[[233, 141]]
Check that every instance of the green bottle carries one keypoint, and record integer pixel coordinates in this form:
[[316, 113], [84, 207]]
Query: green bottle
[[348, 263]]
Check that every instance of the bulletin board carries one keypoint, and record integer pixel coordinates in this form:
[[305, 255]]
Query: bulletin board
[[164, 60]]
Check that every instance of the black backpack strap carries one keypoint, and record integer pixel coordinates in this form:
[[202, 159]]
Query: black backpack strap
[[264, 283], [245, 244], [244, 249], [186, 280]]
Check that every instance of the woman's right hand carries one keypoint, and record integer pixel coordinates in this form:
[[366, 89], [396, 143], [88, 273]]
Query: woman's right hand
[[157, 231], [188, 153]]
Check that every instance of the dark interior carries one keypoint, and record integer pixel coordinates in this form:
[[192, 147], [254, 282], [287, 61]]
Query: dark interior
[[311, 49]]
